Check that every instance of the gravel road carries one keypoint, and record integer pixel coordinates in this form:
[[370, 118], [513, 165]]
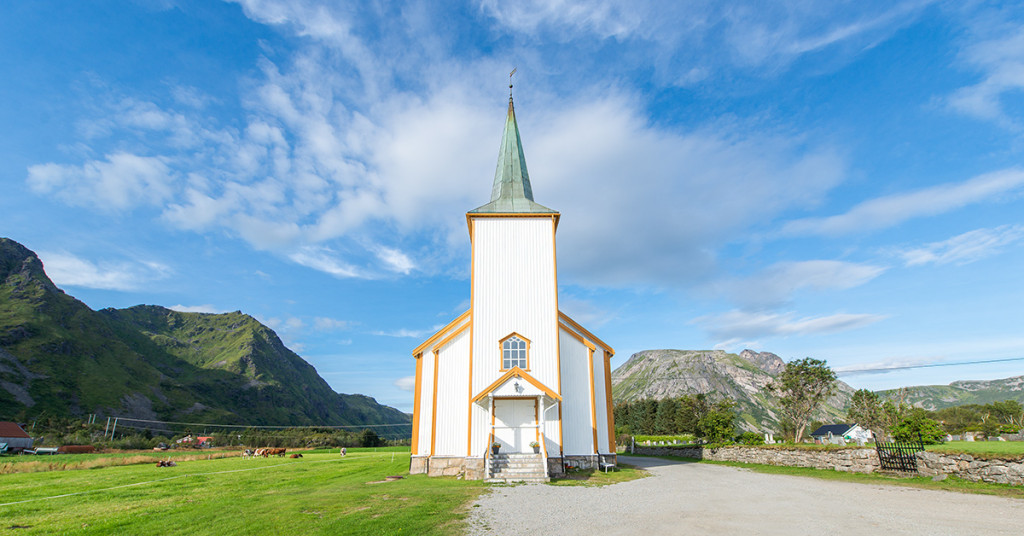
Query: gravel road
[[693, 498]]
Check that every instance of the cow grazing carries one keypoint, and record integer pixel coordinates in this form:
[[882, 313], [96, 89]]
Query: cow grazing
[[247, 454], [76, 449]]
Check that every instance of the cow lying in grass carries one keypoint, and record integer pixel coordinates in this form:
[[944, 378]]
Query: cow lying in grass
[[296, 455]]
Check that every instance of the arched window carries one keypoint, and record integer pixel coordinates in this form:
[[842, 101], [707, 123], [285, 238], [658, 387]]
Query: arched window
[[514, 351]]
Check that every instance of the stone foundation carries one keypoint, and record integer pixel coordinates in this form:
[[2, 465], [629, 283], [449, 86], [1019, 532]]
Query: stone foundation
[[457, 466]]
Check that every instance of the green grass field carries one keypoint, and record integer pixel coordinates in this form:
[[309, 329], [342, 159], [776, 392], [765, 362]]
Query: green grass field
[[1000, 449], [320, 493]]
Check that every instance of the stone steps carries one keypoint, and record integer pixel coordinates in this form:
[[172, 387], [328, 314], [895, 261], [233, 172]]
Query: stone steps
[[509, 468]]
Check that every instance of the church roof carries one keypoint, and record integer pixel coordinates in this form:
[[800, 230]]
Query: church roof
[[511, 192]]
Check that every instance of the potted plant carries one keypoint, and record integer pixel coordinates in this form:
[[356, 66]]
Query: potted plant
[[536, 447], [495, 447]]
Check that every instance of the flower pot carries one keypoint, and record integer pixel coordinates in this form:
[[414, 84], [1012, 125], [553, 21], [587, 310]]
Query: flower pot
[[536, 450], [494, 450]]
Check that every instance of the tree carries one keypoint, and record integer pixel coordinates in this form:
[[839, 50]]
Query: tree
[[665, 418], [690, 411], [865, 409], [718, 424], [918, 424], [369, 438], [802, 387]]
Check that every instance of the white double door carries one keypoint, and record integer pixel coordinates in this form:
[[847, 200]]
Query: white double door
[[515, 423]]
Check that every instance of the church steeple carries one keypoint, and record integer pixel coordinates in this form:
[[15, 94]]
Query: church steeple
[[511, 191]]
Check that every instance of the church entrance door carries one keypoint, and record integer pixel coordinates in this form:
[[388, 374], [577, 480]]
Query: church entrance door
[[515, 423]]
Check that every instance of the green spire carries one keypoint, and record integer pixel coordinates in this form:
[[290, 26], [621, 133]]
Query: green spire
[[511, 191]]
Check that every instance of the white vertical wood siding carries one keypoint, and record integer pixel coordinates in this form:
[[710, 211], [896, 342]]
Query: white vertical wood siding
[[600, 401], [551, 428], [514, 291], [453, 397], [577, 435], [481, 432], [423, 412]]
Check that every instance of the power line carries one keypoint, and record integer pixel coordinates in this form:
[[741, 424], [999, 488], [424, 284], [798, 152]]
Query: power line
[[285, 427], [928, 365]]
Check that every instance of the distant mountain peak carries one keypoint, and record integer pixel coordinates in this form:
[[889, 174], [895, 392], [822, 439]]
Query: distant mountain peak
[[20, 266], [742, 378]]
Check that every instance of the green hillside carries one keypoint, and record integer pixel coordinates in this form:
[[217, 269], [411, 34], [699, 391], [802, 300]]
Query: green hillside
[[58, 356], [958, 393]]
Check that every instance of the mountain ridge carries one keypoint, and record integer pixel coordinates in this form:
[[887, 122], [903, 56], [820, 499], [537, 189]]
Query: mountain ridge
[[57, 355], [742, 378]]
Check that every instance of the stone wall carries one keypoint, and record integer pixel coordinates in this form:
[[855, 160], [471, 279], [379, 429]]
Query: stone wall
[[852, 460], [971, 468], [857, 460]]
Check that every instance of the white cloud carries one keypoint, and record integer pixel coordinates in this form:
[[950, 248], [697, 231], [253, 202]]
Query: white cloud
[[406, 383], [887, 365], [583, 311], [205, 308], [66, 269], [121, 182], [1000, 60], [694, 40], [324, 260], [604, 18], [394, 260], [776, 284], [965, 248], [661, 200], [321, 323], [409, 333], [751, 325], [891, 210]]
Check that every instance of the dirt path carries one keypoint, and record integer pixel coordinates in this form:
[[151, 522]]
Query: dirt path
[[692, 498]]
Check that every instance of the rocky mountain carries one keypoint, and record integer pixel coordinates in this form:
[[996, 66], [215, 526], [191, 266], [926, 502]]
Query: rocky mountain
[[958, 393], [742, 378], [59, 356]]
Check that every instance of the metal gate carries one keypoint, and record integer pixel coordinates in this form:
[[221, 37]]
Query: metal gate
[[899, 455]]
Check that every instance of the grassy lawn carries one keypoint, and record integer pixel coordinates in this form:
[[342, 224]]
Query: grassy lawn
[[950, 484], [320, 493], [1000, 449], [590, 477]]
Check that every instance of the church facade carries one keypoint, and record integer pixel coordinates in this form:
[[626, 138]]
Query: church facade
[[513, 381]]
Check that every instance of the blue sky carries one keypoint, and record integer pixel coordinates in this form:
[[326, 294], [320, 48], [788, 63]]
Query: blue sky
[[840, 180]]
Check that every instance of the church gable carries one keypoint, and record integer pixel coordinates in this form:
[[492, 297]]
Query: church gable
[[517, 383]]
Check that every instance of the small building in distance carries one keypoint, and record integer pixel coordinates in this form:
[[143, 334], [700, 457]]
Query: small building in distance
[[14, 436], [512, 389], [833, 433]]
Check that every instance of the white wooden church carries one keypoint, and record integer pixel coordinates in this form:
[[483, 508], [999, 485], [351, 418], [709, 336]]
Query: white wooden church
[[512, 389]]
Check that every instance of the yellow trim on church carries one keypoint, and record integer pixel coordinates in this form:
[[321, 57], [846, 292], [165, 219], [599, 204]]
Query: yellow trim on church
[[518, 373]]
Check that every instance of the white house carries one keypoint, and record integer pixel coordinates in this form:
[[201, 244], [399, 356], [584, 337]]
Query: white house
[[840, 433], [513, 370]]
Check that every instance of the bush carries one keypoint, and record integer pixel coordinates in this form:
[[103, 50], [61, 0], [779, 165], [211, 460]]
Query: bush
[[750, 438], [918, 424]]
